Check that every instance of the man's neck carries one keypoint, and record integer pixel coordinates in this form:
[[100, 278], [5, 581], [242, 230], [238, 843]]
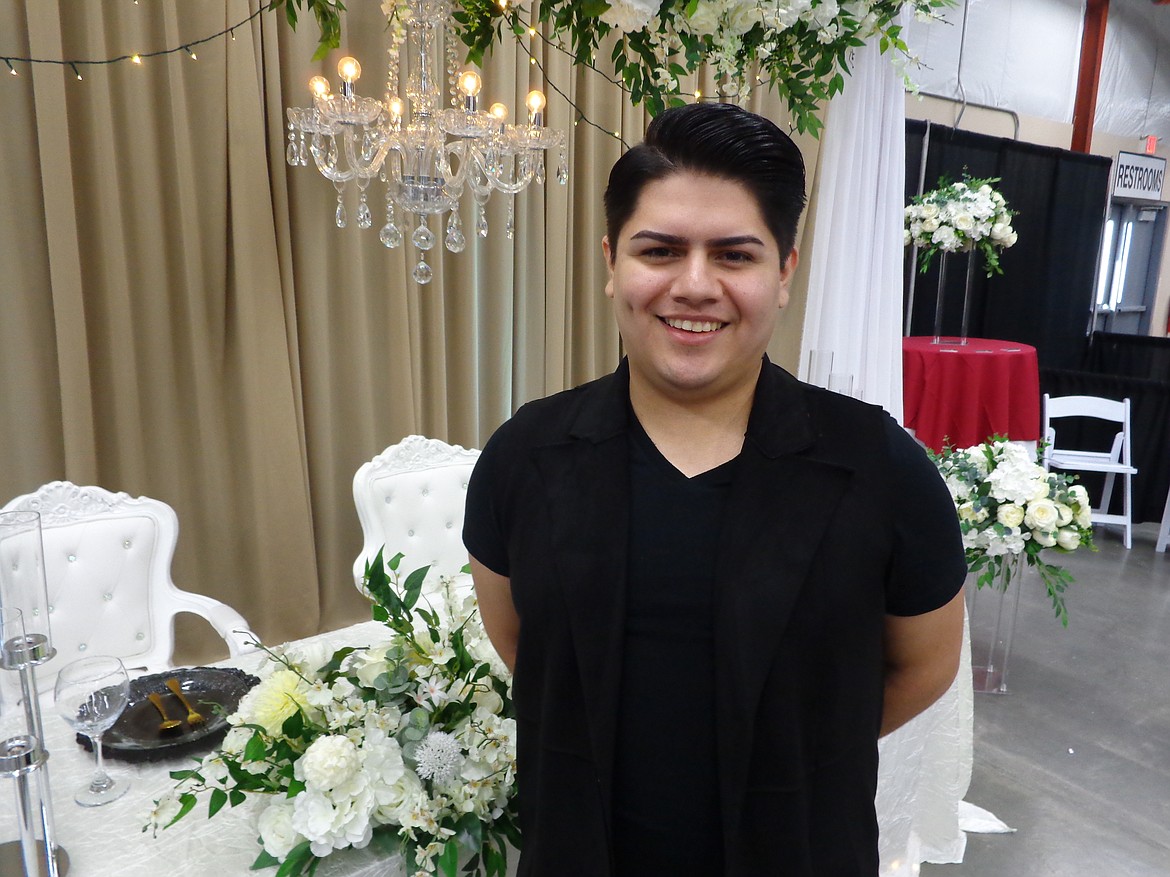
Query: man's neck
[[695, 435]]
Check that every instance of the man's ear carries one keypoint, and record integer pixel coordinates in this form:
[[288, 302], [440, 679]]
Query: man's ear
[[787, 271], [609, 256]]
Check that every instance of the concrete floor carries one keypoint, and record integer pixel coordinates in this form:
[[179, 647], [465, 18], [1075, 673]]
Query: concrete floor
[[1076, 757]]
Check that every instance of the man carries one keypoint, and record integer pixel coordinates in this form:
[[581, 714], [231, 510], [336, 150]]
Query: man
[[716, 586]]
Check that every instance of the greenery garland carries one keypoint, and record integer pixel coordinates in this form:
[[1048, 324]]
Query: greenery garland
[[798, 48]]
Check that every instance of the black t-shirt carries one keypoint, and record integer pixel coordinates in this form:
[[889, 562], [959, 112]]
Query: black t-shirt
[[666, 805]]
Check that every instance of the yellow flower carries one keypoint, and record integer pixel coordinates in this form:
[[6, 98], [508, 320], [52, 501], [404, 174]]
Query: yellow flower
[[273, 701]]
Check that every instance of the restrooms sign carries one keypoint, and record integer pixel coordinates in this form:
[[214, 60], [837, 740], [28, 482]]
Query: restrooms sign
[[1138, 176]]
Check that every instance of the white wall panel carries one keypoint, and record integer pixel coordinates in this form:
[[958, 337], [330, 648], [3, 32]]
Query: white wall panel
[[1023, 55]]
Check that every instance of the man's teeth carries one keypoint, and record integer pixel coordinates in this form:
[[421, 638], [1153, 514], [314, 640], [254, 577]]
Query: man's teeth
[[692, 326]]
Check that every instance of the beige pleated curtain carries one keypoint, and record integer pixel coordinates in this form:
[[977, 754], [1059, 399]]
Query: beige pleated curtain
[[180, 318]]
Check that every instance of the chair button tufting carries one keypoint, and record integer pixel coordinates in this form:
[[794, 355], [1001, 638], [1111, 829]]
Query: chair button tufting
[[140, 635], [72, 558], [426, 491], [126, 543], [107, 596], [81, 647], [449, 525], [387, 500], [410, 532]]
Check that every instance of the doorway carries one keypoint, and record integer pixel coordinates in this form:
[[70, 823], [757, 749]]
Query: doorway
[[1127, 276]]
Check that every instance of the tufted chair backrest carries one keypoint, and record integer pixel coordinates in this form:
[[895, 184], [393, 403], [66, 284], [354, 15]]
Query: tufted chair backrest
[[410, 499], [108, 574]]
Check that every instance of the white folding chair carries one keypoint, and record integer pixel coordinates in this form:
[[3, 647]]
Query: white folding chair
[[410, 499], [108, 574], [1114, 462]]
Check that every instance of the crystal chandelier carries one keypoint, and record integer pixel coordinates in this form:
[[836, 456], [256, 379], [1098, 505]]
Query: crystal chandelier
[[426, 155]]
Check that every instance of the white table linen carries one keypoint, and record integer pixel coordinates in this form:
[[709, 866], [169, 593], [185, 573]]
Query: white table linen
[[924, 771]]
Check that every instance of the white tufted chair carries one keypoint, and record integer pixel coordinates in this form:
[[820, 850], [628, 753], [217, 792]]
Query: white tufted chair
[[108, 573], [410, 499]]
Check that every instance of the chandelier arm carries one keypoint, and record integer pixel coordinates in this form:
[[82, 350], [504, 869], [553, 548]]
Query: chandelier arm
[[372, 167], [515, 185]]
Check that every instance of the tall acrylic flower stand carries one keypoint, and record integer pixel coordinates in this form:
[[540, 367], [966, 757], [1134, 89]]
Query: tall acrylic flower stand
[[938, 306], [992, 611]]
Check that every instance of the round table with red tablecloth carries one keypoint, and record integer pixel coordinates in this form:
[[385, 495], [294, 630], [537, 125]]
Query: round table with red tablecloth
[[965, 393]]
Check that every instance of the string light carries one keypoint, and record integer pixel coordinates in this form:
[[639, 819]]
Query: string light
[[136, 58]]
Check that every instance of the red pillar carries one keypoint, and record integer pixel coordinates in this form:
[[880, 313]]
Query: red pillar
[[1092, 47]]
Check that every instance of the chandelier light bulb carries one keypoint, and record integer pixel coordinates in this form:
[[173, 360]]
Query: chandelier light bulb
[[319, 86], [135, 58], [470, 83], [396, 107], [499, 111], [349, 69], [536, 103]]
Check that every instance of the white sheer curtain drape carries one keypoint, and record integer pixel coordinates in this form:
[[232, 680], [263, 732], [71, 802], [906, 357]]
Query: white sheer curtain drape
[[854, 307]]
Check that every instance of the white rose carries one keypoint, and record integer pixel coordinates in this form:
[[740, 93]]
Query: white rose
[[985, 189], [276, 830], [930, 224], [964, 222], [328, 762], [489, 701], [369, 664], [999, 231], [1064, 515], [1068, 538], [1010, 240], [1010, 515], [1042, 515], [906, 237], [929, 210], [1044, 538]]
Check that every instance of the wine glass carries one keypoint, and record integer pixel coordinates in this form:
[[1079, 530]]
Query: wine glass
[[90, 695]]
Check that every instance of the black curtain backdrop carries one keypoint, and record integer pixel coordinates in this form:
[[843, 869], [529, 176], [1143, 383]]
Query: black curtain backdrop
[[1045, 295], [1136, 356]]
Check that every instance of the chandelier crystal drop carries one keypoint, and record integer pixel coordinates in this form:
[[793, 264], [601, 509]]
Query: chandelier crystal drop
[[427, 155]]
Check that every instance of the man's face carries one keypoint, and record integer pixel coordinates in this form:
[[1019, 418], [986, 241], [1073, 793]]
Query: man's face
[[697, 281]]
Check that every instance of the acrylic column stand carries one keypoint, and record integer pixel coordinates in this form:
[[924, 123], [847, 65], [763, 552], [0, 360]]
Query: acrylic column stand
[[938, 307], [992, 613], [27, 642]]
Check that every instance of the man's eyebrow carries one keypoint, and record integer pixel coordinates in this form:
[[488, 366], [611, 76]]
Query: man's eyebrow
[[663, 237]]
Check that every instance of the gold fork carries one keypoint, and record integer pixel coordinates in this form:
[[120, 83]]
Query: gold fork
[[167, 724], [193, 718]]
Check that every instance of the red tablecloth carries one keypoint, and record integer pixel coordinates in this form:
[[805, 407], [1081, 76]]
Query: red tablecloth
[[967, 393]]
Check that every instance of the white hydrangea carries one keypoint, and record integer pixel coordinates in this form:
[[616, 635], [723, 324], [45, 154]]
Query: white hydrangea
[[629, 15]]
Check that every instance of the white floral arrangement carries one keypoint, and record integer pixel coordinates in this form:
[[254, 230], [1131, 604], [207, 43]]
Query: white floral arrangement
[[1011, 508], [410, 744], [962, 216], [798, 47]]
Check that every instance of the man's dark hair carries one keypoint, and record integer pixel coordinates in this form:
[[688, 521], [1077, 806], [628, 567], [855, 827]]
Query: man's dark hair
[[721, 140]]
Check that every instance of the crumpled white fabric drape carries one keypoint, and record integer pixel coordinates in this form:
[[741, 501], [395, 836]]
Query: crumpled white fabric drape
[[854, 307]]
